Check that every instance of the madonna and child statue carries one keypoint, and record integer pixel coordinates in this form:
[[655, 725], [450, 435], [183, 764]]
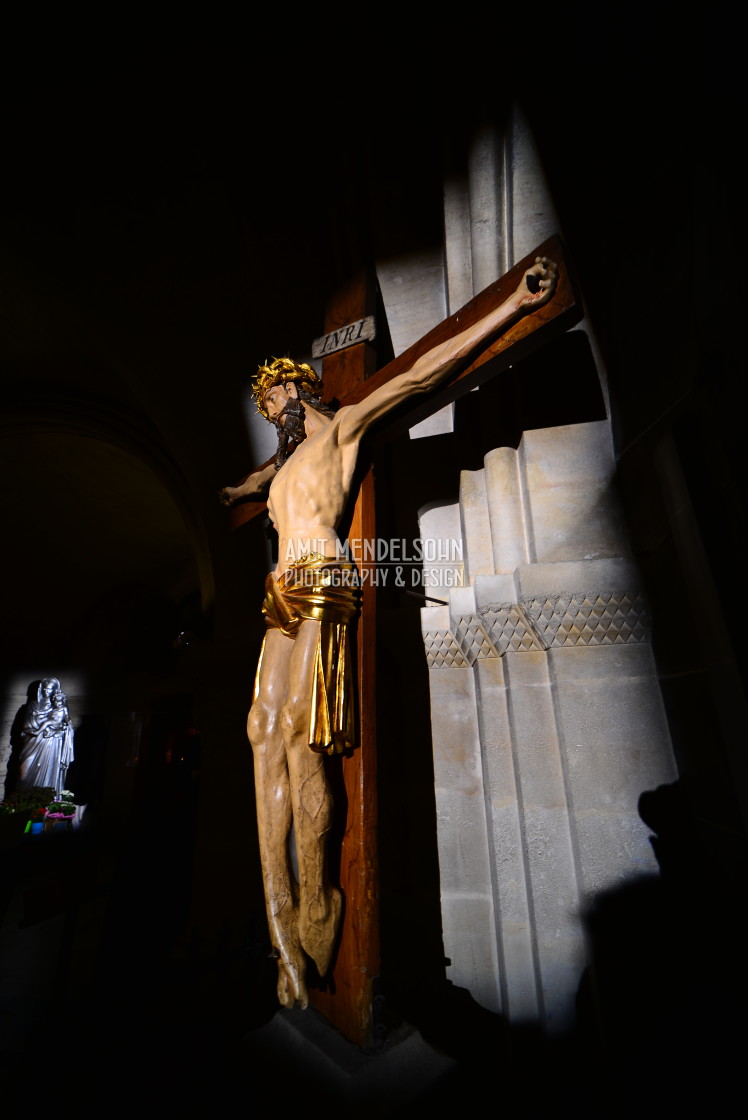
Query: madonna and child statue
[[45, 738]]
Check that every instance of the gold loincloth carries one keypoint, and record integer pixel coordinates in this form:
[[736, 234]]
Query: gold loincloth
[[326, 590]]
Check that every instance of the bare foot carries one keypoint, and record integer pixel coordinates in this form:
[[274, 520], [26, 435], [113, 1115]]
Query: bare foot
[[319, 932], [287, 951], [291, 987], [291, 975]]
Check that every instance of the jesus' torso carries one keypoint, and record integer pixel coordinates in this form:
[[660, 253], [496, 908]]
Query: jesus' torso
[[309, 494]]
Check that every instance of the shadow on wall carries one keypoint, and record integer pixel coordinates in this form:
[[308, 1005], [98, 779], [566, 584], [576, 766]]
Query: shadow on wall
[[667, 987], [660, 1025], [16, 729]]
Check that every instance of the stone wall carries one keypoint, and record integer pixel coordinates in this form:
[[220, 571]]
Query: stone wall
[[547, 719]]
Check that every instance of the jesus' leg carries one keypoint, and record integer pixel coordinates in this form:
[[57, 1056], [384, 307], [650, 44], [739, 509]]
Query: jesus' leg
[[274, 814], [320, 904]]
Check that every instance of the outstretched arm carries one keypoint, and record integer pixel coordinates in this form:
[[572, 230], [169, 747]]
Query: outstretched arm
[[255, 483], [430, 369]]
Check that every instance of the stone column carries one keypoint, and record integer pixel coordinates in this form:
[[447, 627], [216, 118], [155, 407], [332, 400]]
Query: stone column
[[547, 720]]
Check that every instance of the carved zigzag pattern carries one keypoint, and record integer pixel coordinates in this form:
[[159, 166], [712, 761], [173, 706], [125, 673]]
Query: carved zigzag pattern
[[510, 629], [574, 619], [442, 649], [473, 638], [608, 618]]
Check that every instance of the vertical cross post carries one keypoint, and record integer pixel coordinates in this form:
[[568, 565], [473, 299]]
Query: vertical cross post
[[347, 1000]]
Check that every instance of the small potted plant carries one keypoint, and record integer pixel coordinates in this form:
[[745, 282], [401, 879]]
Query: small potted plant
[[20, 810], [36, 820], [61, 809]]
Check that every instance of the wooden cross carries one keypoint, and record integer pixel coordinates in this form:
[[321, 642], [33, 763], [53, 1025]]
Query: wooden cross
[[349, 376]]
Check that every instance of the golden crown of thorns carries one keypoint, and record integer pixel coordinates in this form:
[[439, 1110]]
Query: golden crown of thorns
[[280, 371]]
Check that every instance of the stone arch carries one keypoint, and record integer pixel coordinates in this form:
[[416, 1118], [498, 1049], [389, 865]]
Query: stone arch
[[39, 439]]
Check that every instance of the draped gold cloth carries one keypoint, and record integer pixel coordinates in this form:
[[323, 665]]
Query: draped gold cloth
[[326, 590]]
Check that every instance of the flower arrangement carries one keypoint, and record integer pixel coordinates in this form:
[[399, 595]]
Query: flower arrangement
[[28, 802], [62, 808]]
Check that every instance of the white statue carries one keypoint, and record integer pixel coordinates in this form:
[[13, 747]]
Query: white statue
[[46, 739]]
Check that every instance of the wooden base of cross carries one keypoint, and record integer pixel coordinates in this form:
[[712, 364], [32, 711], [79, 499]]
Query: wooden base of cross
[[349, 376]]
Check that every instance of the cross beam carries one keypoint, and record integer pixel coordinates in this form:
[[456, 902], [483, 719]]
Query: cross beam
[[531, 332]]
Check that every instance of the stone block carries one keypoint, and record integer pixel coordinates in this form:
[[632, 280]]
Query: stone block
[[533, 730], [413, 293], [487, 232], [469, 942], [476, 527], [457, 243], [438, 424], [520, 1001], [555, 897], [506, 514], [614, 847], [461, 603], [615, 742], [560, 974], [462, 843], [439, 525], [495, 589], [558, 578], [580, 664], [533, 215], [573, 508]]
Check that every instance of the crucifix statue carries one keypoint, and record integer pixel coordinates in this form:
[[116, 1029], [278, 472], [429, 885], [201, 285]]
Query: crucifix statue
[[301, 709]]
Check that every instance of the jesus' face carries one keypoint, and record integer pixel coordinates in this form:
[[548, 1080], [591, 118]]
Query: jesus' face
[[277, 398]]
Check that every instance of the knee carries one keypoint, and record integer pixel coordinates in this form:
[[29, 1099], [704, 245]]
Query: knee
[[294, 720], [259, 724]]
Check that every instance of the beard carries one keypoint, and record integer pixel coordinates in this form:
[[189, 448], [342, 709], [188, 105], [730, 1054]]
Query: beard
[[292, 432]]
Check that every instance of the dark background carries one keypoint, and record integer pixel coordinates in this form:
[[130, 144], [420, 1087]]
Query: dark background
[[172, 204]]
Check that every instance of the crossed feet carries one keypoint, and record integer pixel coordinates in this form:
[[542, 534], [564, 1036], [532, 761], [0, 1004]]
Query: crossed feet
[[314, 933]]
